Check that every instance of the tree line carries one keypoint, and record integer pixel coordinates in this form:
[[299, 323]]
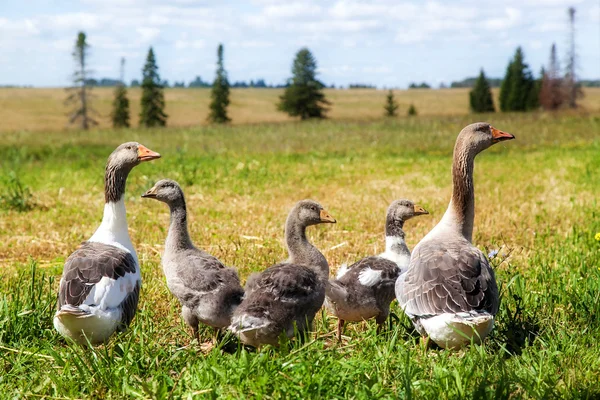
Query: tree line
[[520, 91], [303, 95]]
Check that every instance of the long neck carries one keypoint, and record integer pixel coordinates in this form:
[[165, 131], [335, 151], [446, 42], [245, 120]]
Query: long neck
[[178, 236], [114, 221], [301, 251], [394, 237], [461, 211]]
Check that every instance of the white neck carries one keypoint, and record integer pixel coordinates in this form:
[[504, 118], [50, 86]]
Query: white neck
[[397, 251], [452, 223], [113, 229]]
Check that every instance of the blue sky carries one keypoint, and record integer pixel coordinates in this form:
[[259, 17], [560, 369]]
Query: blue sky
[[381, 42]]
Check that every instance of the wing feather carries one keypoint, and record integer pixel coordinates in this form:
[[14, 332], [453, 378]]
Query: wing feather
[[86, 267], [444, 279]]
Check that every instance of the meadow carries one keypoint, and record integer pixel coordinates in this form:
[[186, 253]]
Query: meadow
[[536, 204]]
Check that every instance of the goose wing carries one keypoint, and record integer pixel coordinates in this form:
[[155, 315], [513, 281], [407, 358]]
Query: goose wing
[[99, 274], [447, 279], [372, 271], [283, 293], [200, 274]]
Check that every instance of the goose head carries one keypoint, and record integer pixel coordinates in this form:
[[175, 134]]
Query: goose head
[[309, 212], [399, 212], [403, 210], [120, 162], [130, 154], [479, 136], [165, 190]]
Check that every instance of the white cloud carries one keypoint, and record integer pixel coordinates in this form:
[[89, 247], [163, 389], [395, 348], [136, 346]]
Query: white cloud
[[147, 34], [189, 44]]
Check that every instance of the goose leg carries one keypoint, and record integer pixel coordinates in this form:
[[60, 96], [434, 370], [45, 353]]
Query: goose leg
[[196, 333], [393, 317], [380, 321], [340, 327], [426, 342]]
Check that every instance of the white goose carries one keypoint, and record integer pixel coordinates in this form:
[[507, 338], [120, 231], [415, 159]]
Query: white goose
[[449, 290], [101, 280]]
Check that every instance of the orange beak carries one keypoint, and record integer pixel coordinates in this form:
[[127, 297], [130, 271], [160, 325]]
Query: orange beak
[[499, 136], [145, 154], [420, 210], [325, 217]]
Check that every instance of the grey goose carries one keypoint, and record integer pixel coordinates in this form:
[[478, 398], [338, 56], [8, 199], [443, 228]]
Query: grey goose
[[100, 285], [366, 288], [207, 290], [286, 296], [449, 291]]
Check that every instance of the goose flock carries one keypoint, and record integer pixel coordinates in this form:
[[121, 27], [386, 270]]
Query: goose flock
[[446, 286]]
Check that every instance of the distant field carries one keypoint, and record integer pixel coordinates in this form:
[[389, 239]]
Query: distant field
[[536, 202], [44, 109]]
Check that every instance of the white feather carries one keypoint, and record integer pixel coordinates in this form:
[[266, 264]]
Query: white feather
[[113, 229], [369, 277], [245, 323], [452, 331], [343, 270], [402, 260]]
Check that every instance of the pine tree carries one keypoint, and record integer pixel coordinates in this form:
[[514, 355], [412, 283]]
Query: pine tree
[[80, 92], [412, 110], [552, 96], [391, 106], [219, 93], [505, 87], [480, 97], [153, 100], [517, 92], [120, 112], [304, 96]]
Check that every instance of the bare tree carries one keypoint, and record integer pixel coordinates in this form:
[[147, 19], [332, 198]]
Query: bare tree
[[571, 86], [552, 95], [80, 92]]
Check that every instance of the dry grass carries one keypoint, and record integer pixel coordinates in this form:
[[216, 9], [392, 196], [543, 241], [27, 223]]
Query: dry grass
[[44, 110]]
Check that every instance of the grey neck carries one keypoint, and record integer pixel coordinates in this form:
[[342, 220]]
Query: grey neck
[[115, 177], [394, 236], [178, 237], [463, 192], [393, 227], [301, 251]]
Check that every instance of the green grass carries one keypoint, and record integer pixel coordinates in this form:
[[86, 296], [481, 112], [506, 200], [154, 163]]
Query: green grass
[[536, 203]]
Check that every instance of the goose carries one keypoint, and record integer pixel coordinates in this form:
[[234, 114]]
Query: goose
[[100, 284], [286, 296], [207, 290], [449, 290], [366, 288]]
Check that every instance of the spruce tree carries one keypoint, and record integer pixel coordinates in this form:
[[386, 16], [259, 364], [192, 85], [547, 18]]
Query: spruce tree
[[120, 112], [480, 97], [153, 101], [219, 93], [80, 92], [390, 105], [304, 95], [517, 92]]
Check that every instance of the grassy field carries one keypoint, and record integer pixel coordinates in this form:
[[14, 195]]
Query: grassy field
[[537, 203], [41, 110]]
